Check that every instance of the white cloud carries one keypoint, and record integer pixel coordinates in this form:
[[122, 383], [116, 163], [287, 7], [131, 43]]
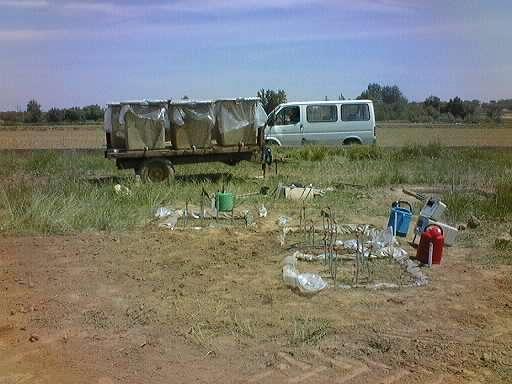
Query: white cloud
[[97, 7], [383, 6], [247, 33], [24, 3], [221, 6], [227, 5], [28, 35], [377, 6], [244, 30], [196, 6]]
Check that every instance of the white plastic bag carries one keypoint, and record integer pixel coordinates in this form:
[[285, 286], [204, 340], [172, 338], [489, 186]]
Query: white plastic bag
[[308, 257], [163, 212], [290, 275], [122, 190], [382, 238], [310, 283], [283, 221], [169, 223]]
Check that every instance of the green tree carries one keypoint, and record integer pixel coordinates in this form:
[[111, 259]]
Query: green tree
[[455, 106], [472, 111], [270, 99], [493, 111], [373, 92], [92, 112], [392, 95], [10, 116], [34, 113], [55, 115], [387, 94], [72, 114], [433, 101]]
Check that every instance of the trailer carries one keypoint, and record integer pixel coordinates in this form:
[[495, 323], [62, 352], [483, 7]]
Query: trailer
[[152, 137]]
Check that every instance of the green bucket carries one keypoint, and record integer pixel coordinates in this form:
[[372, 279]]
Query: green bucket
[[225, 201]]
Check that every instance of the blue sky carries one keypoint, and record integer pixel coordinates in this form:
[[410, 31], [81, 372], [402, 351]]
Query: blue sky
[[69, 52]]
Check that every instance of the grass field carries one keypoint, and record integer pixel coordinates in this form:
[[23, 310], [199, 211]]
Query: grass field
[[399, 134], [56, 192], [388, 134]]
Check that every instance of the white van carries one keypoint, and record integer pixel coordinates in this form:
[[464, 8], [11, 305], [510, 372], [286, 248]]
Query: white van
[[322, 122]]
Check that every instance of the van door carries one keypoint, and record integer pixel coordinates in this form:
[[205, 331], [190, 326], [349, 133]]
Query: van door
[[287, 126], [321, 124], [358, 122]]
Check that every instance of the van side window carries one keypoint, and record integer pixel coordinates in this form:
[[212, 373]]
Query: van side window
[[288, 116], [321, 113], [355, 112]]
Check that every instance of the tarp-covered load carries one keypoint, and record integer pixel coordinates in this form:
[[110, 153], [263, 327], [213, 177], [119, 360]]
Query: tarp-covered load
[[184, 124], [192, 124], [237, 121], [144, 132], [144, 124], [137, 124]]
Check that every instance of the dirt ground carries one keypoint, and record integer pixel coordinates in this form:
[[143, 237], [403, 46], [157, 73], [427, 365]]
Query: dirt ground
[[160, 306], [398, 135], [67, 137], [388, 134]]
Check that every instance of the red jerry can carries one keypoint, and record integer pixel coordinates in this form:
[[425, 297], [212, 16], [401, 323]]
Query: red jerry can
[[431, 237]]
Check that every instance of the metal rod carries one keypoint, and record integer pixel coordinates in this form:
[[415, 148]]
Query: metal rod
[[357, 261], [430, 253]]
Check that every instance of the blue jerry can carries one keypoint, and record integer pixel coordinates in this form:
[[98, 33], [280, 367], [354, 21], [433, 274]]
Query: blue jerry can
[[400, 218]]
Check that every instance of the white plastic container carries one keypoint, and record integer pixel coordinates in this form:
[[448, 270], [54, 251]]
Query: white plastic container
[[450, 233], [433, 209]]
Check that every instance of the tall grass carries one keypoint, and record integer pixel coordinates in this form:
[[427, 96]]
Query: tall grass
[[416, 151], [320, 153], [66, 201], [49, 192], [313, 153], [499, 206]]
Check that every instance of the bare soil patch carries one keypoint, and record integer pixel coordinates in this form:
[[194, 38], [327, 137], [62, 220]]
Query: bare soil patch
[[210, 306], [388, 134]]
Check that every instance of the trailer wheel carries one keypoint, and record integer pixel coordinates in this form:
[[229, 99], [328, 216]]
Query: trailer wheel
[[156, 171]]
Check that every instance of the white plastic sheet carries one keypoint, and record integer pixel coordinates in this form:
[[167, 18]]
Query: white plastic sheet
[[308, 283], [237, 121], [195, 124], [163, 212], [260, 116], [146, 111], [183, 112], [382, 243], [107, 120]]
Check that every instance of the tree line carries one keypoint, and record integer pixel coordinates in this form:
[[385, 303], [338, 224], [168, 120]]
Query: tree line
[[34, 114], [389, 103]]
